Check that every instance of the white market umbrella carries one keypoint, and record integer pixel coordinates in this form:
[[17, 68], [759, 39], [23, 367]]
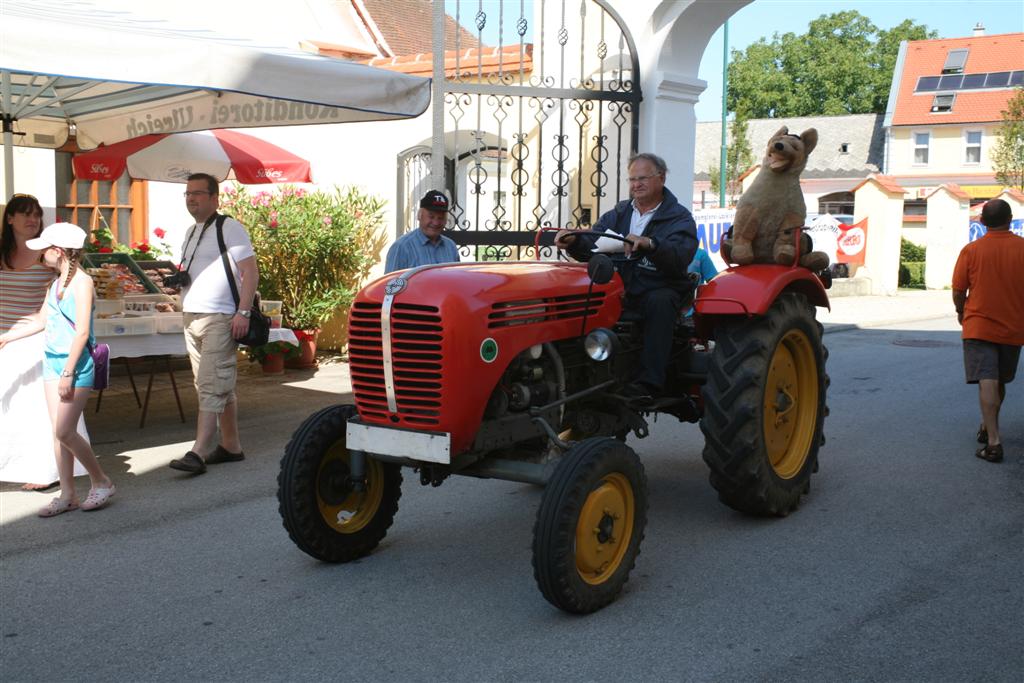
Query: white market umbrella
[[111, 75]]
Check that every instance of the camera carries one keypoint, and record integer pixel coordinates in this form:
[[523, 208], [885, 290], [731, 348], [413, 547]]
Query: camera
[[179, 280]]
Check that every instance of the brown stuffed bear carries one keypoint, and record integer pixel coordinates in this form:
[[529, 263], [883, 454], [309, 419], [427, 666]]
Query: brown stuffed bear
[[773, 207]]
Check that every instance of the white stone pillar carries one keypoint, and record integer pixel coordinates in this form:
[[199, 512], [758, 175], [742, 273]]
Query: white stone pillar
[[668, 126], [946, 233], [880, 199]]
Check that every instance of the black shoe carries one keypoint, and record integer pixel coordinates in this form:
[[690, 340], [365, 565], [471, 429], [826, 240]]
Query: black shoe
[[636, 390], [191, 462], [221, 454]]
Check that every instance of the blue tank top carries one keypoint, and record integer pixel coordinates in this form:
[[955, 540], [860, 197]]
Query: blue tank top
[[59, 332]]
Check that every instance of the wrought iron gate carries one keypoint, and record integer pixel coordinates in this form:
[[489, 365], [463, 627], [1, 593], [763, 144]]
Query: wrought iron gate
[[530, 134]]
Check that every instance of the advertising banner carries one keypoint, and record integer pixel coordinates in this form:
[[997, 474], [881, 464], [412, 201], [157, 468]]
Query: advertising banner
[[976, 230]]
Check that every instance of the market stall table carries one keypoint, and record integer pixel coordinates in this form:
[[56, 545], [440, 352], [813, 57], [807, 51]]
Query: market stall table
[[161, 347]]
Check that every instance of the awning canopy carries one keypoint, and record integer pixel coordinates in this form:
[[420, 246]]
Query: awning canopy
[[112, 75]]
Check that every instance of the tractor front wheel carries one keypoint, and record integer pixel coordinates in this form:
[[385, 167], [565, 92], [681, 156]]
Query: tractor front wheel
[[325, 513], [590, 524]]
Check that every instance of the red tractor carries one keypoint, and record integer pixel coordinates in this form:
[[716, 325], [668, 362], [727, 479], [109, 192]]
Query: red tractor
[[513, 371]]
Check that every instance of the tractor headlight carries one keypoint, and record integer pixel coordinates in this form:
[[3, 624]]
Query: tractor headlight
[[601, 344]]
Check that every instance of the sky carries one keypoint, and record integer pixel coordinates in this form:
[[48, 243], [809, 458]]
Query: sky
[[763, 18]]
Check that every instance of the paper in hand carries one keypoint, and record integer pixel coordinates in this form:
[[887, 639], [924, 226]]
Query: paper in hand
[[608, 245]]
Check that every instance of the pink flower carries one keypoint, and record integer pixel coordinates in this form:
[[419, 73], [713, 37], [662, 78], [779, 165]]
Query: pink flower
[[143, 247], [159, 232], [300, 192], [327, 220], [273, 223], [358, 213]]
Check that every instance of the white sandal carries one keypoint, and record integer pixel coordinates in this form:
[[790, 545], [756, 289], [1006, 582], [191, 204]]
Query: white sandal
[[98, 498], [58, 506]]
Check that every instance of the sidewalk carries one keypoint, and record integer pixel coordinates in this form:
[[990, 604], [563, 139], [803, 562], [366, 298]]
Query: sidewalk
[[909, 305], [271, 409]]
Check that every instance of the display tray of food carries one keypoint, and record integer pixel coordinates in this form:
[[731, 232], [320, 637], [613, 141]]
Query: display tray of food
[[116, 275], [124, 325], [156, 271]]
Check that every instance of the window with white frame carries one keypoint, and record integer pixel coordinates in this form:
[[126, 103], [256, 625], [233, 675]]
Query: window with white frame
[[921, 148], [972, 147]]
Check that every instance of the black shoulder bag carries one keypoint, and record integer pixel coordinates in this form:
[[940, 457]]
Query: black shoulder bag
[[259, 324]]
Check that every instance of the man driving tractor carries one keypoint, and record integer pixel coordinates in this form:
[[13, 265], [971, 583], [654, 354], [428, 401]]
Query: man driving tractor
[[660, 241]]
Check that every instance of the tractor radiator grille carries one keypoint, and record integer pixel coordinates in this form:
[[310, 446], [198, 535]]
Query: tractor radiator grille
[[530, 311], [415, 356]]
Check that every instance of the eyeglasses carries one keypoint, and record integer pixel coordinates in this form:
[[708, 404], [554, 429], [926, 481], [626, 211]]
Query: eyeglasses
[[642, 178], [196, 193]]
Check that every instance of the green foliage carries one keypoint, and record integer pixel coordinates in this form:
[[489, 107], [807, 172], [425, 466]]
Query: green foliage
[[842, 65], [1008, 152], [102, 241], [257, 354], [910, 251], [313, 249], [912, 274], [738, 158]]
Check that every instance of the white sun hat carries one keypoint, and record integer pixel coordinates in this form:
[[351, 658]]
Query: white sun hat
[[64, 235]]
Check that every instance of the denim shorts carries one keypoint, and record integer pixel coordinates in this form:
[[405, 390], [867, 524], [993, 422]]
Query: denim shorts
[[988, 360], [54, 364]]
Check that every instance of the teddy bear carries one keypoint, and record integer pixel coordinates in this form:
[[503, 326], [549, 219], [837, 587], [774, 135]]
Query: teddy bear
[[772, 208]]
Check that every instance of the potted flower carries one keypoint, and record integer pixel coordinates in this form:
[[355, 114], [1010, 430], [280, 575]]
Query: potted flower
[[272, 356], [314, 249]]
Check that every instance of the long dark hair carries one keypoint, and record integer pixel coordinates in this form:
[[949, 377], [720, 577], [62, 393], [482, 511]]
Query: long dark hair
[[19, 203]]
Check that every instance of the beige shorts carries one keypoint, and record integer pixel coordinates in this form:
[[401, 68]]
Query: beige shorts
[[212, 350]]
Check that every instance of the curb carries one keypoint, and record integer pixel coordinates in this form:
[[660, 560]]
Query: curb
[[846, 327]]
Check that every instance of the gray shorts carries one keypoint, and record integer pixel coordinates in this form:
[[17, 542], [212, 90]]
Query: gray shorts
[[988, 360]]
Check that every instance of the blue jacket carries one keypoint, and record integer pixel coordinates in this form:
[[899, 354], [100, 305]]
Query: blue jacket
[[675, 232]]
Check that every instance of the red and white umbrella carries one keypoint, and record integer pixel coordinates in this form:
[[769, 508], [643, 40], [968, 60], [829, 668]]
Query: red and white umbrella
[[172, 158]]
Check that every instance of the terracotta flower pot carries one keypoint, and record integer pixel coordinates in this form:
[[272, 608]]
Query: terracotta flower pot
[[273, 364], [307, 350]]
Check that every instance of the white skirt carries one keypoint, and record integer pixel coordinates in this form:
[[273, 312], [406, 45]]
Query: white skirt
[[26, 434]]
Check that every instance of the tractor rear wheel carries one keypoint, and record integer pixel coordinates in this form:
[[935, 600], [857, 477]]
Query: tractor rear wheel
[[764, 408], [321, 509], [590, 524]]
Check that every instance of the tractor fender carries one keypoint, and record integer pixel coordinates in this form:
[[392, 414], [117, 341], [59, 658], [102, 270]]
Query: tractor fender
[[751, 289]]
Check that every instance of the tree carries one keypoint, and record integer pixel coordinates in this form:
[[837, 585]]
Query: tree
[[738, 159], [842, 65], [1008, 153]]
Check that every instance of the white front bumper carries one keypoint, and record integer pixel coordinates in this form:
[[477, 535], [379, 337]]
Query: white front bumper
[[403, 443]]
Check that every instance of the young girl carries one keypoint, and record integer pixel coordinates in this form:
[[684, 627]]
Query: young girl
[[66, 315]]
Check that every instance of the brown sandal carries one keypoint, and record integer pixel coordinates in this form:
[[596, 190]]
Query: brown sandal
[[982, 435], [991, 453]]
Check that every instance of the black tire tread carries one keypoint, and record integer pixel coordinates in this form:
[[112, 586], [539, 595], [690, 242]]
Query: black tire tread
[[296, 486], [734, 448]]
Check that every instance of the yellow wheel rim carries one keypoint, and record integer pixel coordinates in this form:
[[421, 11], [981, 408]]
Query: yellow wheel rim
[[790, 404], [604, 529], [345, 510]]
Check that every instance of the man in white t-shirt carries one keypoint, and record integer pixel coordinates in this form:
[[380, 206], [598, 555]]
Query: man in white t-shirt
[[213, 321]]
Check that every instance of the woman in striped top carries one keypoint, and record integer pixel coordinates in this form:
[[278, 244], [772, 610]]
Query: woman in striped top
[[26, 439]]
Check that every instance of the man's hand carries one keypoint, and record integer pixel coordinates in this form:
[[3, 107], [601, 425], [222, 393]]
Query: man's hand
[[564, 238], [637, 243], [239, 326]]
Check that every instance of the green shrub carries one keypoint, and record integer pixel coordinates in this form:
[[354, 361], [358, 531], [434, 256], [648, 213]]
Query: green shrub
[[912, 274], [314, 249], [910, 251]]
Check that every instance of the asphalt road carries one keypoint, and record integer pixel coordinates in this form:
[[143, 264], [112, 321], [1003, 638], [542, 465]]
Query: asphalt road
[[903, 564]]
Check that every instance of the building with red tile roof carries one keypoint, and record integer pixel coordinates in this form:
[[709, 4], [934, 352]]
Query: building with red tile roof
[[945, 108]]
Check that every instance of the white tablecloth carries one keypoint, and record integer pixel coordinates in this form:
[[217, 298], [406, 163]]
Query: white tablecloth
[[135, 346]]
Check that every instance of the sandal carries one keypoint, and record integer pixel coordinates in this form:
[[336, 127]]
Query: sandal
[[982, 435], [991, 453], [98, 498], [58, 506]]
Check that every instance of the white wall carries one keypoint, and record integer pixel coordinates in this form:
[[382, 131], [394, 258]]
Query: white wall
[[34, 174]]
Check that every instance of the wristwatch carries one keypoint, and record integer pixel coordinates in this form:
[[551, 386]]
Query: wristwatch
[[244, 314], [654, 243], [67, 374]]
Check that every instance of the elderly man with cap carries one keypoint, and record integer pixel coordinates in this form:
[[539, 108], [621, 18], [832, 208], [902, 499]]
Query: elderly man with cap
[[425, 245]]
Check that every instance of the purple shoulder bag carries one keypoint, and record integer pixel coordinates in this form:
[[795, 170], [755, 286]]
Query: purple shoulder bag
[[100, 359]]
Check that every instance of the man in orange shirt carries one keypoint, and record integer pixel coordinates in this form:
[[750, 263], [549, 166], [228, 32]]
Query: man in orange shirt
[[988, 293]]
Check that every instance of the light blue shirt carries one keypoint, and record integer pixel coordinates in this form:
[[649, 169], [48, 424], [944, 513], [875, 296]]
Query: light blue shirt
[[704, 267], [415, 249]]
